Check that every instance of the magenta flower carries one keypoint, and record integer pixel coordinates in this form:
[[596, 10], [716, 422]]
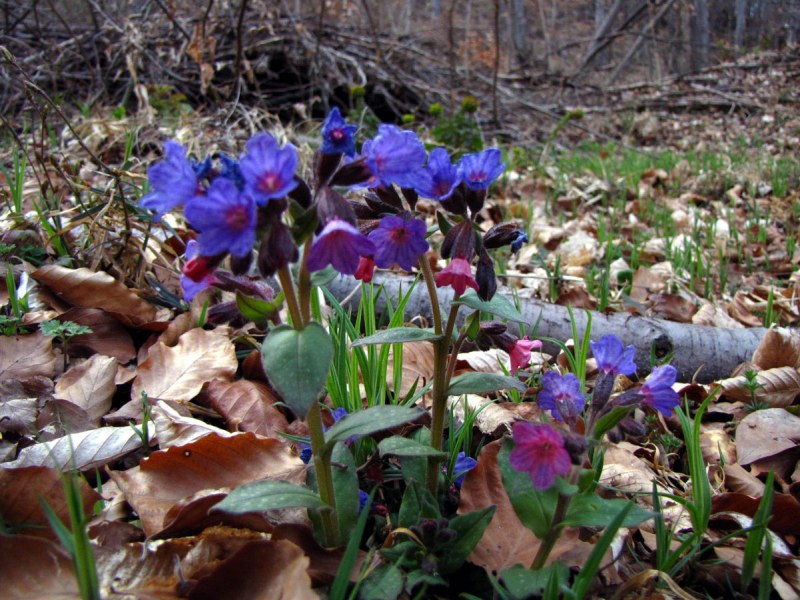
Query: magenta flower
[[337, 136], [539, 450], [366, 269], [658, 392], [458, 275], [480, 169], [613, 357], [561, 395], [443, 176], [268, 171], [399, 240], [173, 180], [341, 245], [225, 218], [205, 274], [520, 353], [395, 156]]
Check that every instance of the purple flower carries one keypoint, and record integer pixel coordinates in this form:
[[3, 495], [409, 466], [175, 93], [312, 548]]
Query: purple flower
[[464, 464], [189, 286], [230, 170], [341, 245], [337, 136], [520, 353], [613, 357], [520, 238], [225, 218], [366, 269], [399, 240], [395, 156], [173, 180], [268, 171], [480, 169], [539, 451], [443, 176], [458, 275], [561, 395], [658, 392], [363, 498]]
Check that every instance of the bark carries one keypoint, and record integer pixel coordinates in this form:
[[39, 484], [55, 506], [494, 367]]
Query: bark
[[519, 34], [700, 353], [701, 35], [643, 37], [741, 24]]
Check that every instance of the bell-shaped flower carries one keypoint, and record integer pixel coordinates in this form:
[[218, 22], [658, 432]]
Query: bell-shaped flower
[[173, 180], [341, 245], [539, 451], [458, 275], [657, 390], [337, 136], [399, 240], [225, 218], [395, 156], [267, 170], [561, 395], [480, 169], [443, 176]]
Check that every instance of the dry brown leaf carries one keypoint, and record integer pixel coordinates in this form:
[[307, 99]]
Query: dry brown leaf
[[83, 451], [673, 307], [490, 419], [25, 489], [741, 309], [417, 366], [32, 567], [175, 429], [765, 433], [178, 373], [19, 415], [715, 316], [646, 282], [90, 385], [247, 406], [716, 445], [25, 356], [212, 462], [778, 387], [740, 480], [108, 336], [507, 541], [483, 361], [89, 289], [780, 347], [785, 517]]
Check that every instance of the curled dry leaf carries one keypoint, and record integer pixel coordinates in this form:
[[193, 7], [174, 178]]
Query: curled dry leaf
[[716, 445], [26, 488], [673, 307], [89, 289], [26, 356], [785, 517], [778, 387], [417, 366], [765, 433], [210, 463], [82, 451], [247, 406], [178, 373], [175, 429], [780, 347], [714, 316], [90, 385], [490, 418], [738, 479], [19, 415], [625, 471], [32, 567], [108, 336]]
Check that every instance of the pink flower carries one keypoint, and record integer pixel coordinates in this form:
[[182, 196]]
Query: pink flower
[[539, 450], [520, 353], [457, 275], [366, 269]]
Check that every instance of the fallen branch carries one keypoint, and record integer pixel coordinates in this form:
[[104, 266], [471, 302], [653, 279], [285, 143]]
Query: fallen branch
[[700, 353]]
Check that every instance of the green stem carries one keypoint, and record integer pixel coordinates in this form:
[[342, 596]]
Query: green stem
[[554, 532], [304, 284], [322, 468], [291, 299], [427, 274]]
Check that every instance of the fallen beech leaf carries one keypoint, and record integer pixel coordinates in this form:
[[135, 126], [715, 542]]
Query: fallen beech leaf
[[178, 373], [108, 336], [19, 415], [646, 282], [716, 445], [32, 567], [780, 347], [714, 316], [490, 418], [785, 517], [483, 361], [89, 289], [175, 429], [738, 479], [778, 387], [247, 406], [507, 541], [625, 471], [765, 433], [740, 309], [417, 366], [25, 356], [83, 451], [23, 491], [210, 463], [673, 307], [90, 385]]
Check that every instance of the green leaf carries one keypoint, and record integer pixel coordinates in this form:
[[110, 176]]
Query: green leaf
[[384, 583], [533, 507], [323, 277], [498, 306], [590, 510], [402, 446], [398, 335], [609, 420], [261, 496], [297, 364], [340, 583], [482, 383], [470, 528], [257, 310], [418, 503], [368, 421], [345, 489], [523, 583]]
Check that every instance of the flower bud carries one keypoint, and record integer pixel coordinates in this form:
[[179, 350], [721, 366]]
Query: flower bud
[[352, 173], [485, 276], [277, 250], [459, 242], [504, 234], [332, 205]]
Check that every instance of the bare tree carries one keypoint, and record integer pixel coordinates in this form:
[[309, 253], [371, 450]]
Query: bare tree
[[520, 34], [701, 34], [741, 24]]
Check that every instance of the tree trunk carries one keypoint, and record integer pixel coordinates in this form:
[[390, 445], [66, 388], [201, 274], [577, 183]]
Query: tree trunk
[[701, 35], [601, 58], [741, 24], [698, 352], [520, 34]]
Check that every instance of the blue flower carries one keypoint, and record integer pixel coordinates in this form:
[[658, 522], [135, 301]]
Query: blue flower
[[561, 395], [341, 245], [520, 238], [443, 176], [464, 464], [337, 136], [480, 169], [225, 218], [189, 286], [399, 240], [363, 498], [173, 180], [268, 171], [230, 170], [202, 169], [613, 357], [395, 156], [658, 392]]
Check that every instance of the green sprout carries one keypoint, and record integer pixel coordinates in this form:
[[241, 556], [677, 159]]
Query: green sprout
[[64, 331]]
